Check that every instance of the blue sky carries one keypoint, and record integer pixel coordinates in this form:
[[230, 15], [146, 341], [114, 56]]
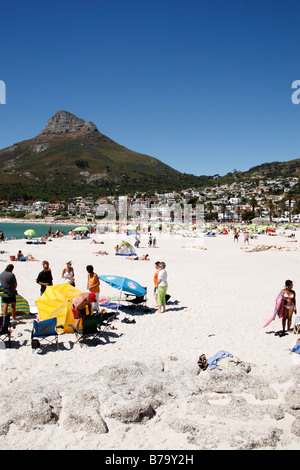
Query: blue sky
[[203, 85]]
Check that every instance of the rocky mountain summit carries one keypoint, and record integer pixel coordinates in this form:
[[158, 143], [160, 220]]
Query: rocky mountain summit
[[63, 123], [70, 157]]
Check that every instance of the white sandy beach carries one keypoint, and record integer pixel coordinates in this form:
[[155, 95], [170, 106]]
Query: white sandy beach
[[127, 392]]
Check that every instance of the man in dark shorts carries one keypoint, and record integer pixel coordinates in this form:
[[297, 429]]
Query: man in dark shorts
[[8, 282]]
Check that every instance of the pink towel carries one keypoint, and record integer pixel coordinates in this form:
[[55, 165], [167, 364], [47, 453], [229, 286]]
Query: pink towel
[[278, 309]]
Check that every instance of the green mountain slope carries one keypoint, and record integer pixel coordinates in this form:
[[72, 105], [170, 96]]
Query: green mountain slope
[[70, 157], [264, 171]]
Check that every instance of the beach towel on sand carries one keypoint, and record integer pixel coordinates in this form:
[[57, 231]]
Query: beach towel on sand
[[296, 349], [212, 361], [279, 303]]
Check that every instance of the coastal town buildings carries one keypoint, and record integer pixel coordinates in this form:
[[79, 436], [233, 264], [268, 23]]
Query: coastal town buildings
[[275, 199]]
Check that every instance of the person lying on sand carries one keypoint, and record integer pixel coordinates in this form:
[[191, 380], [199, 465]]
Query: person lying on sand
[[98, 243], [140, 258], [100, 253], [31, 258]]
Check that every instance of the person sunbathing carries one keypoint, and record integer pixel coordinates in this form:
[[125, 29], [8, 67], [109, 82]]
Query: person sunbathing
[[31, 258], [140, 258], [21, 257]]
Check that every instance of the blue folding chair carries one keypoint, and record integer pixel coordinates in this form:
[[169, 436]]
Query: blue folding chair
[[44, 331]]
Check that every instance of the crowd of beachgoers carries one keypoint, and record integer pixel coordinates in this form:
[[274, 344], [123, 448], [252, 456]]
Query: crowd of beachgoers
[[157, 380]]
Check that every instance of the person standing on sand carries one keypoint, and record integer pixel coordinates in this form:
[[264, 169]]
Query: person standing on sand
[[162, 286], [68, 274], [93, 286], [155, 281], [45, 278], [9, 283], [246, 237], [236, 235], [289, 297]]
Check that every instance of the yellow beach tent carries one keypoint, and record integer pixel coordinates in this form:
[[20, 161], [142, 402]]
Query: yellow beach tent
[[55, 302]]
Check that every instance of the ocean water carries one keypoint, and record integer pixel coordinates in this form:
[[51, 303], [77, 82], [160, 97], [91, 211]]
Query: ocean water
[[17, 229]]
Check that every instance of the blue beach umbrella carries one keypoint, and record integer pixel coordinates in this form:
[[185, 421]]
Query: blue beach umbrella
[[124, 284]]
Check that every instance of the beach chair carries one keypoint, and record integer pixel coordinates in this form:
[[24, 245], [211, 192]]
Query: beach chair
[[5, 332], [105, 320], [135, 301], [44, 332], [297, 326], [91, 328]]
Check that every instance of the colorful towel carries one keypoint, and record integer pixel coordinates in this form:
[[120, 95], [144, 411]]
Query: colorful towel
[[279, 303]]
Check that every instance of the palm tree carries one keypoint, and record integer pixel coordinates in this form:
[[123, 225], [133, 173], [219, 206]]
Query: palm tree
[[253, 203], [290, 196], [270, 206], [296, 208], [209, 207], [223, 210], [258, 211], [238, 212], [282, 206]]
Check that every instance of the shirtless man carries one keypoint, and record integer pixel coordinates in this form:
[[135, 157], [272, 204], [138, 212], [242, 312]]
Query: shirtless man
[[79, 303]]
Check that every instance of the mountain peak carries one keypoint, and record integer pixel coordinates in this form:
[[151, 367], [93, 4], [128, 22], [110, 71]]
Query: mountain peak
[[64, 122]]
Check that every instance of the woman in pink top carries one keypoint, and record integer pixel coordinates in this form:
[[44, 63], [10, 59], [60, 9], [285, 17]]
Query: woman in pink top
[[289, 297]]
